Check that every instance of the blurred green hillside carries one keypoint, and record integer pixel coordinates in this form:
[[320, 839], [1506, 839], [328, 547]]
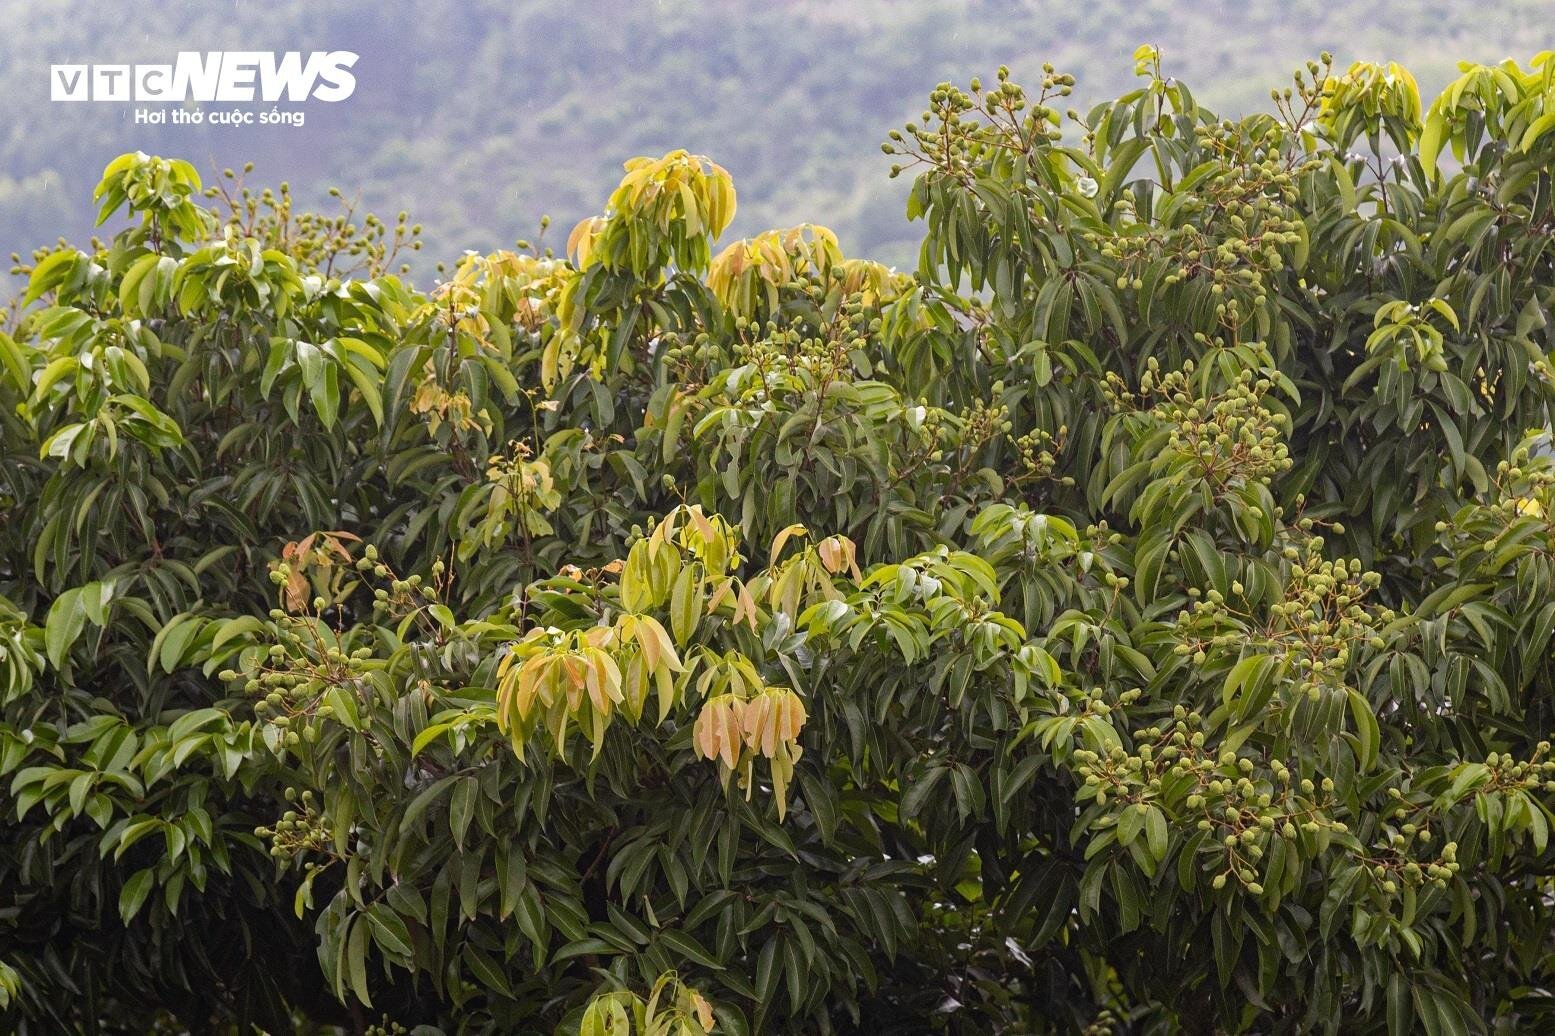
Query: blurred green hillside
[[479, 115]]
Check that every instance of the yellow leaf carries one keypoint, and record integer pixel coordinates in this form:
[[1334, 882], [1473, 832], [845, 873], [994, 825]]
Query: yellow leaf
[[782, 538]]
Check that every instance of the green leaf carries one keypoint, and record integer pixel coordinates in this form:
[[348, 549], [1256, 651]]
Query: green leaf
[[66, 620], [1155, 832], [1368, 736], [134, 893], [462, 809], [685, 946], [356, 959]]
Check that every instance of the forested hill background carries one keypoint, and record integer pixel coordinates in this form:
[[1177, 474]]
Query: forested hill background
[[479, 116]]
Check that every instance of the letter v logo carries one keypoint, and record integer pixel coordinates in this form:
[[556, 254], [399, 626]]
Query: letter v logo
[[68, 83]]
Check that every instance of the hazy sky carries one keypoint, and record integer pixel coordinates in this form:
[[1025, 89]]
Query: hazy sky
[[479, 115]]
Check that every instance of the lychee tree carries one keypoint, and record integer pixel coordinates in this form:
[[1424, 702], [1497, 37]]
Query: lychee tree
[[1136, 618]]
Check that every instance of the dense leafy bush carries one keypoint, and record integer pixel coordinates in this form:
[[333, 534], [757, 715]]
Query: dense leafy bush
[[1137, 618]]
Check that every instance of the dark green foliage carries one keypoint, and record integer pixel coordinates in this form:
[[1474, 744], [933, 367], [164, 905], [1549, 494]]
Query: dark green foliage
[[1135, 619]]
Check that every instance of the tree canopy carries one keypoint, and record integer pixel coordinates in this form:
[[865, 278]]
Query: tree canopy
[[1135, 618]]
